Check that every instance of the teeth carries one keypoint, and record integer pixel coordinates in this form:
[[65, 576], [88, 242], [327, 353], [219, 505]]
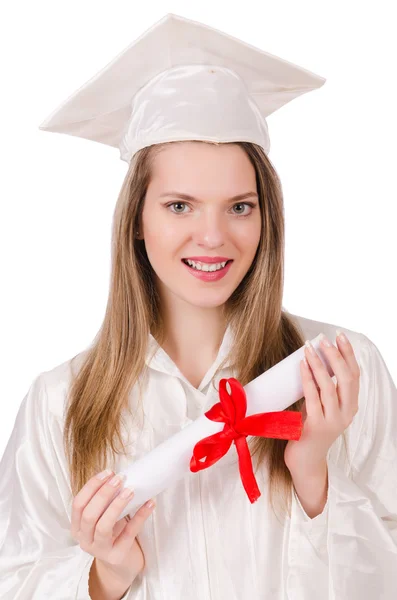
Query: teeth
[[206, 267]]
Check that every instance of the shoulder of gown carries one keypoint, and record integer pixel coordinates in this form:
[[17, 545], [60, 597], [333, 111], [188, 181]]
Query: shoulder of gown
[[57, 381]]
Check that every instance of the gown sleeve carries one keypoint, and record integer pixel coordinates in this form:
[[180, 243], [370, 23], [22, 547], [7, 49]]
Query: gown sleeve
[[38, 556], [350, 549]]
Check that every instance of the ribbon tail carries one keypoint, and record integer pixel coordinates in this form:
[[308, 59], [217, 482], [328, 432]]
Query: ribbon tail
[[246, 470], [284, 425]]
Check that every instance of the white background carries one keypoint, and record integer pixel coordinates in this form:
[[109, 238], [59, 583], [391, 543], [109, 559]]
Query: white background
[[334, 149]]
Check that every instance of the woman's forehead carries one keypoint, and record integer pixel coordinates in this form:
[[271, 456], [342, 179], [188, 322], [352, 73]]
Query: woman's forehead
[[188, 166]]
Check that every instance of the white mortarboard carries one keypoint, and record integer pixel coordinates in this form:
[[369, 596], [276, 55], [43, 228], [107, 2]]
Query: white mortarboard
[[182, 80]]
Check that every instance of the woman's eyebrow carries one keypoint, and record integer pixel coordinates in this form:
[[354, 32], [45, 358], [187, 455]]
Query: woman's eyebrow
[[193, 199]]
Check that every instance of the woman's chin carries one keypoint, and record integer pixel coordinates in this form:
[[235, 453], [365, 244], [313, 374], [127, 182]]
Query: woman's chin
[[207, 299]]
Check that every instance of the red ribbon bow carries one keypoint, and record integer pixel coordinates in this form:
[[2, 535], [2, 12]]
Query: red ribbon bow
[[285, 425]]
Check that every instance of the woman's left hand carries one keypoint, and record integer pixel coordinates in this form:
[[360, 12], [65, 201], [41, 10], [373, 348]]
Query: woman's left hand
[[329, 408]]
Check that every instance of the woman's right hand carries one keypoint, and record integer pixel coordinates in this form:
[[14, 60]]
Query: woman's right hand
[[113, 542]]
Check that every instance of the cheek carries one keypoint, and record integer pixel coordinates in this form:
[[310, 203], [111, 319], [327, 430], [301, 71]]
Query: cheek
[[247, 238], [159, 244], [162, 230]]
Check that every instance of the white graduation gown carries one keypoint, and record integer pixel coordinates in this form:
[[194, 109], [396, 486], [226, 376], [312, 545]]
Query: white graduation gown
[[205, 540]]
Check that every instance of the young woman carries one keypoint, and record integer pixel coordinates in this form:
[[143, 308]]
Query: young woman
[[325, 525]]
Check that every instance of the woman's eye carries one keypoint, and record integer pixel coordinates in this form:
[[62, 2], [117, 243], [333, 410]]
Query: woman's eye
[[176, 203], [244, 204], [239, 214]]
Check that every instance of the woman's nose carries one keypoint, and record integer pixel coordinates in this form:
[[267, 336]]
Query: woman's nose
[[210, 231]]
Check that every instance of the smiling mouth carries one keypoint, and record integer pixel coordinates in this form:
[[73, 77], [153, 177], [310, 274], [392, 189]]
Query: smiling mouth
[[209, 264]]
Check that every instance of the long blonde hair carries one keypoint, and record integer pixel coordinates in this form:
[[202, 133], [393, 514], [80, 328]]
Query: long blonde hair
[[264, 333]]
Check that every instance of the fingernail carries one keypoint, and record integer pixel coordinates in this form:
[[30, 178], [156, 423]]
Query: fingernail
[[324, 341], [150, 504], [127, 491], [309, 346], [341, 336], [103, 474], [116, 480]]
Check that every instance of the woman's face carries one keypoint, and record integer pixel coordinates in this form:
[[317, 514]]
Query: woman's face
[[210, 225]]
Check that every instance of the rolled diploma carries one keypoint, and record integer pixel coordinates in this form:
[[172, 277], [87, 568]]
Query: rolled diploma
[[274, 390]]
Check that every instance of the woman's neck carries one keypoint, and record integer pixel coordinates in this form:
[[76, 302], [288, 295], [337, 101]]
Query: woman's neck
[[194, 337]]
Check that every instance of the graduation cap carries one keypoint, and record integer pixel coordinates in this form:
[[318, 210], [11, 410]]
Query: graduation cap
[[182, 80]]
